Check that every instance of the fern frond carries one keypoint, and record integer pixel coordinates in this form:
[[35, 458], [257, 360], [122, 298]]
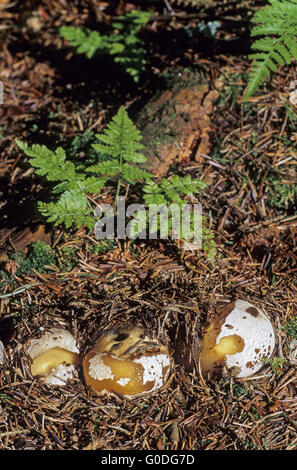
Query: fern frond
[[153, 193], [290, 43], [133, 60], [51, 164], [124, 45], [86, 41], [186, 185], [107, 168], [131, 174], [121, 139], [135, 19], [92, 184], [277, 24], [71, 208], [170, 190]]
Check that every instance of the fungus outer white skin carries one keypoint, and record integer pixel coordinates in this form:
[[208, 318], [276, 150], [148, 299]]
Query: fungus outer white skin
[[98, 370], [54, 338], [60, 375], [1, 353], [256, 330], [123, 381], [153, 369], [129, 345]]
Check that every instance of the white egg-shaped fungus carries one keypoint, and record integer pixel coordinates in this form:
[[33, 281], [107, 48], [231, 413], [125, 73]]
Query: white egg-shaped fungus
[[54, 355], [241, 339], [126, 361]]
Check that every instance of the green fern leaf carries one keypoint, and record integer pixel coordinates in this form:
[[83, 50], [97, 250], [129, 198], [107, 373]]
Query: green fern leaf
[[154, 198], [277, 24], [153, 193], [131, 174], [51, 164], [71, 208], [124, 45], [116, 48], [65, 186], [290, 43], [92, 184], [170, 190], [85, 40], [121, 139], [186, 185], [107, 168], [135, 19]]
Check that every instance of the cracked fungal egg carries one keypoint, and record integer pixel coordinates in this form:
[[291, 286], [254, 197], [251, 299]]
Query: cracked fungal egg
[[126, 361], [240, 339], [55, 356]]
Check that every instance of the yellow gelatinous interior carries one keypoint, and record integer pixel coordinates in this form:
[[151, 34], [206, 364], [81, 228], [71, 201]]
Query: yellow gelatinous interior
[[212, 354], [229, 345], [46, 362], [127, 376]]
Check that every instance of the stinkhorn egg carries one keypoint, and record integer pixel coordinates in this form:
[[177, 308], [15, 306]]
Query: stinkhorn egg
[[126, 361], [241, 339], [54, 355]]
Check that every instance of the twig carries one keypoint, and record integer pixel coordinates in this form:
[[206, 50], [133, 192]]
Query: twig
[[17, 431], [19, 290]]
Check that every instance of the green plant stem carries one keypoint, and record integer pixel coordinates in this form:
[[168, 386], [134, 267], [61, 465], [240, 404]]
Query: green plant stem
[[120, 172], [117, 195]]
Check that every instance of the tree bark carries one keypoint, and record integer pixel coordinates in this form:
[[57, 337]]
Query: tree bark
[[176, 123]]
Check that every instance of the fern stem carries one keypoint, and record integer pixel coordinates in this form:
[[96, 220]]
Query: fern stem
[[121, 167], [117, 196], [119, 184]]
